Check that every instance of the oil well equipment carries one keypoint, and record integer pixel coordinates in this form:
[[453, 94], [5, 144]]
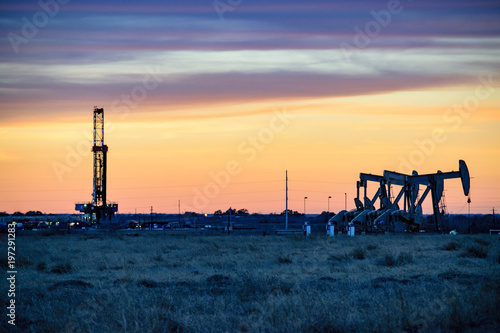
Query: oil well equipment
[[391, 214], [99, 209]]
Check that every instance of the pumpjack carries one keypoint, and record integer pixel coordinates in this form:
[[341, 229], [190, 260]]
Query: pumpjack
[[389, 216]]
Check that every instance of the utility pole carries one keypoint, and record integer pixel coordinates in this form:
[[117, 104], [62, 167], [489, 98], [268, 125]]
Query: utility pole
[[179, 212], [346, 201], [286, 209], [229, 221], [151, 219], [493, 217]]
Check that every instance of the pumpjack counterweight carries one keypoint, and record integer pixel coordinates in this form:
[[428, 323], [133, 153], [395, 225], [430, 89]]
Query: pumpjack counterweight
[[98, 209]]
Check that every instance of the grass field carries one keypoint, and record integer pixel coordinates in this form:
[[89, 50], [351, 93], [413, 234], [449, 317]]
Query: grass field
[[155, 282]]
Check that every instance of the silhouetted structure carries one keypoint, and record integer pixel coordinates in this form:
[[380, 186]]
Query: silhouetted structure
[[390, 217], [99, 205]]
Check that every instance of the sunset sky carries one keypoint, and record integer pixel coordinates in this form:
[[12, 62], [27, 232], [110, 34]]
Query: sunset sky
[[210, 102]]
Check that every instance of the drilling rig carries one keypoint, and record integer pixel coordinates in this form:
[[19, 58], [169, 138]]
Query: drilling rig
[[98, 210]]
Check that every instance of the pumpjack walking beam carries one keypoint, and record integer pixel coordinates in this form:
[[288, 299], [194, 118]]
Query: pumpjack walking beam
[[436, 184]]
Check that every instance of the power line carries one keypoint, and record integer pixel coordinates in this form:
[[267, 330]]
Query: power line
[[317, 181], [142, 188]]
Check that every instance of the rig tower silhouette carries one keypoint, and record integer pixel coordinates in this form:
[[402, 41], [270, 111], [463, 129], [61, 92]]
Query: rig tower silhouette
[[98, 210]]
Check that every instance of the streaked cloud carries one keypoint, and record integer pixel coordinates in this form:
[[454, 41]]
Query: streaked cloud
[[222, 79]]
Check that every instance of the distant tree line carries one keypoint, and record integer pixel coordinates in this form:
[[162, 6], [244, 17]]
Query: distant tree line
[[232, 211], [239, 212], [28, 213], [291, 213]]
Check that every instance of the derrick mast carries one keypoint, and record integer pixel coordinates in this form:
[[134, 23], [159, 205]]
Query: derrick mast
[[98, 209], [100, 151]]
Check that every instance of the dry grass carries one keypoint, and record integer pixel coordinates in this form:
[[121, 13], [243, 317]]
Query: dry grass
[[452, 246], [161, 283], [475, 252], [402, 259]]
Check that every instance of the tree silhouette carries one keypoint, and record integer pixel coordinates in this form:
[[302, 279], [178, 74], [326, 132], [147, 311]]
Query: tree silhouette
[[242, 212], [291, 213], [34, 213]]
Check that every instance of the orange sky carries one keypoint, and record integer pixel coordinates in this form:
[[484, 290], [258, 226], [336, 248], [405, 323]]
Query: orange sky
[[159, 157]]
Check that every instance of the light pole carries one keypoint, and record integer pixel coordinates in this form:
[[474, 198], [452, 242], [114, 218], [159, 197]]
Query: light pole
[[305, 198], [329, 197], [346, 201]]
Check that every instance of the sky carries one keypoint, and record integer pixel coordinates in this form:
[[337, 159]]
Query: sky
[[210, 102]]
